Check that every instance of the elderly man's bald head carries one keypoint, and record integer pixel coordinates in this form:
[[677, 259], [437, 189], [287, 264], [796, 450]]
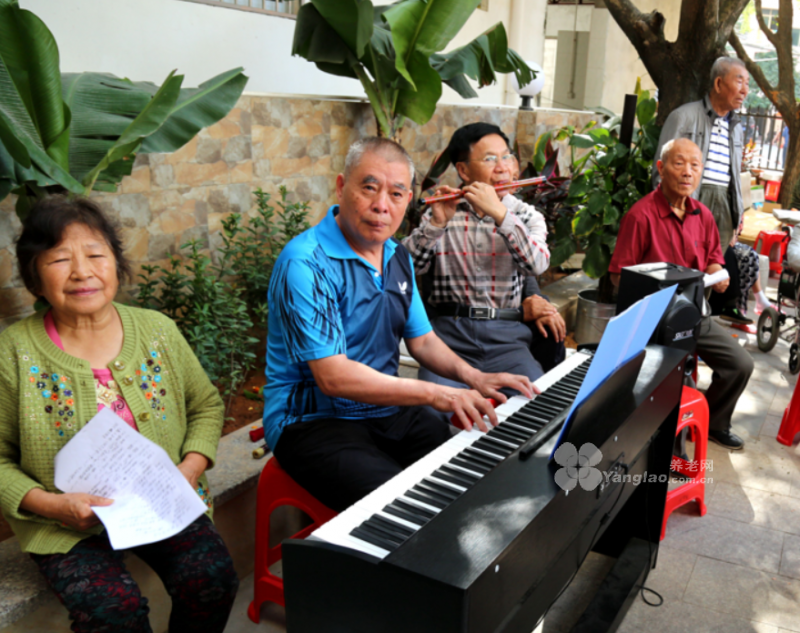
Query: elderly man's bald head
[[678, 144]]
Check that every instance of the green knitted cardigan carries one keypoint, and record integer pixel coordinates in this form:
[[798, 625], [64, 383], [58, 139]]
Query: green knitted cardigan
[[46, 396]]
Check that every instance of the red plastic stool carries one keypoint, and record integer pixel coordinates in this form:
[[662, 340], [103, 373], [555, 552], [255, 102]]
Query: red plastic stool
[[790, 424], [773, 245], [694, 416], [275, 489]]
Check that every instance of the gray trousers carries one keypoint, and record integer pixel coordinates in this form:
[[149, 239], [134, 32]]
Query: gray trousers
[[715, 197], [490, 346], [732, 367]]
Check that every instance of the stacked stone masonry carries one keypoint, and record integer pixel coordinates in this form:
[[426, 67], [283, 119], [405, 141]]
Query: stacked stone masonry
[[265, 141]]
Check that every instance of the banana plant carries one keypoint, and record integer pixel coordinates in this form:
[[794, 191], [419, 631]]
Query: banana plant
[[395, 51], [78, 132]]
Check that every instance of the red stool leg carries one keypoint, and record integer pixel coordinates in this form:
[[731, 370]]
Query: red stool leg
[[790, 424], [693, 415], [275, 489]]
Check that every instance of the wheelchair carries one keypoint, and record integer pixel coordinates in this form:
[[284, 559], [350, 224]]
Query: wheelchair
[[773, 323]]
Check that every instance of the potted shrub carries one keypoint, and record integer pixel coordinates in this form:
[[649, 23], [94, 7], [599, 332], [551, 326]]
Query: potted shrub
[[605, 183]]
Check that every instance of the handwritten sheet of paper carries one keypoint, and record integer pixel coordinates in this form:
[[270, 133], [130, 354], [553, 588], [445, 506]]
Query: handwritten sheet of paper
[[152, 499]]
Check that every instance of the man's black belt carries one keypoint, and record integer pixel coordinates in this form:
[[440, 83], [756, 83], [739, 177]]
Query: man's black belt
[[473, 312]]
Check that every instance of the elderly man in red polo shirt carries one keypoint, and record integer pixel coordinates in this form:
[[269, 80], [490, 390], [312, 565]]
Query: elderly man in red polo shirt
[[668, 225]]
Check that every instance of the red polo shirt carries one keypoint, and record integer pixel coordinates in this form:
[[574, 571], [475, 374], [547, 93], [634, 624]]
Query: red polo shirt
[[651, 232]]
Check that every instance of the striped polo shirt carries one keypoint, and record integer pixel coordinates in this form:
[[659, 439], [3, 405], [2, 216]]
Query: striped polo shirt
[[718, 161]]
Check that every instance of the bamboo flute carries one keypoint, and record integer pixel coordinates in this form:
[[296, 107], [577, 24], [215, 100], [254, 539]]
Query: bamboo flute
[[513, 184]]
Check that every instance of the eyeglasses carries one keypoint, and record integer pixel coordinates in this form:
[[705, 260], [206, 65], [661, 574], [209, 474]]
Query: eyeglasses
[[491, 159]]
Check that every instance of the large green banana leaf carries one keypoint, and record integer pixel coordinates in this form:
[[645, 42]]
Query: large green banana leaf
[[317, 41], [423, 27], [395, 51], [22, 142], [146, 123], [34, 122], [351, 19], [30, 56], [195, 109], [105, 109], [480, 60], [82, 131]]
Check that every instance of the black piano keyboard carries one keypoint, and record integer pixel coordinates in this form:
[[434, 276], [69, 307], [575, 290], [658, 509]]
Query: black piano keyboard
[[479, 458]]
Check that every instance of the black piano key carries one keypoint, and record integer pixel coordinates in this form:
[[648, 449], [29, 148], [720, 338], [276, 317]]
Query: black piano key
[[369, 537], [459, 474], [501, 441], [531, 414], [453, 479], [527, 422], [428, 489], [494, 446], [426, 498], [483, 458], [399, 512], [473, 466], [555, 400], [513, 441], [509, 434], [445, 490], [390, 535], [370, 525], [489, 448], [393, 526], [546, 410], [413, 509], [524, 432], [429, 497]]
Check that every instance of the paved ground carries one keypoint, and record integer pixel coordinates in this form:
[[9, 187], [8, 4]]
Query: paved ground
[[735, 570]]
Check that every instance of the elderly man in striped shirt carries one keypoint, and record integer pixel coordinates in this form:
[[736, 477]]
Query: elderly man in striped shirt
[[713, 126], [481, 249]]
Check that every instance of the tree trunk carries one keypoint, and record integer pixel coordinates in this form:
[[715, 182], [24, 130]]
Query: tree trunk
[[688, 80], [680, 69], [791, 170], [781, 95]]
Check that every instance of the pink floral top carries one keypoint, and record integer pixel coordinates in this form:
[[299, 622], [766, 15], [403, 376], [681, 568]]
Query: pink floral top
[[106, 388]]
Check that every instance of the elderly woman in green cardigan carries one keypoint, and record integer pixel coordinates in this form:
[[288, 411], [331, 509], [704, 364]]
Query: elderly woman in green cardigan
[[59, 367]]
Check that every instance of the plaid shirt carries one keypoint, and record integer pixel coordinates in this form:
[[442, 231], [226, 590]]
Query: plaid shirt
[[478, 263]]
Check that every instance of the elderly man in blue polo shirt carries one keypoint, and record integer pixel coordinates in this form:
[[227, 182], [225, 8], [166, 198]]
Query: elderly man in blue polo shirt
[[342, 295]]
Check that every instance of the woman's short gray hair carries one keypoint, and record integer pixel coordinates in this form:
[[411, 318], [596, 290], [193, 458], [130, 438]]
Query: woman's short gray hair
[[384, 147], [722, 67]]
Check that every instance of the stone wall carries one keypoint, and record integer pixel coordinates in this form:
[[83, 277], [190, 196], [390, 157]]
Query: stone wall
[[265, 141]]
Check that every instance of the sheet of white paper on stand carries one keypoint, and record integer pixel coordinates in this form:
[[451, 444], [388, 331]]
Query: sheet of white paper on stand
[[152, 499]]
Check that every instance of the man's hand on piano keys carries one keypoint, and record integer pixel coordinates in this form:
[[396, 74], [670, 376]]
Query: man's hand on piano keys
[[467, 405], [470, 406], [489, 385]]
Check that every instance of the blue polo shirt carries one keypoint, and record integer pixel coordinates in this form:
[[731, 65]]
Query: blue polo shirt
[[326, 300]]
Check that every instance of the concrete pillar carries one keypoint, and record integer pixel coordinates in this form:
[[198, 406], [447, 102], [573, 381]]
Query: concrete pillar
[[526, 35]]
